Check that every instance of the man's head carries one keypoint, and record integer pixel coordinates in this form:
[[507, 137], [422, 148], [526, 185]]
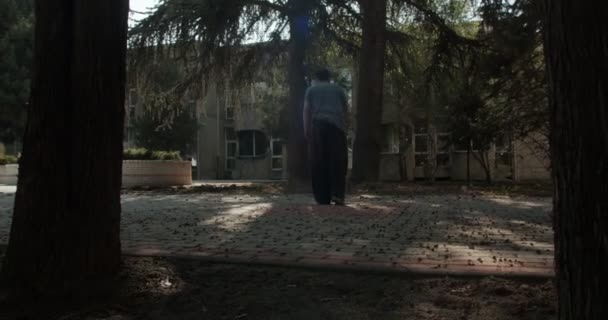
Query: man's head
[[323, 75]]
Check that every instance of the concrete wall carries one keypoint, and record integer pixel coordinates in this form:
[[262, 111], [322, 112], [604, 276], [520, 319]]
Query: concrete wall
[[212, 141], [390, 167], [256, 169], [458, 169], [531, 161], [527, 161], [210, 137], [156, 173], [9, 174]]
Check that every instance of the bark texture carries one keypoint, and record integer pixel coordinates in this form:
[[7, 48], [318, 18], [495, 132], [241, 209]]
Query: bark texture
[[576, 45], [66, 220], [367, 146], [297, 146]]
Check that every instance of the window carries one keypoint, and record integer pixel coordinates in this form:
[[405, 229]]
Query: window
[[229, 112], [443, 149], [227, 100], [504, 151], [503, 144], [390, 142], [277, 154], [462, 145], [421, 149], [252, 143], [231, 149]]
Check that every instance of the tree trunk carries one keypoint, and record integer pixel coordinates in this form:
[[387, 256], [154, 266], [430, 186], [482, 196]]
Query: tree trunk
[[297, 146], [487, 168], [366, 149], [576, 45], [484, 161], [66, 219]]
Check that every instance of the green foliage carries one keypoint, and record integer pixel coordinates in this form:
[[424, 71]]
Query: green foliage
[[503, 81], [145, 154], [154, 132], [16, 49], [8, 159], [471, 119]]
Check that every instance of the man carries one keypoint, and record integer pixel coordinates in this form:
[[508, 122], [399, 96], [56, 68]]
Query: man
[[325, 117]]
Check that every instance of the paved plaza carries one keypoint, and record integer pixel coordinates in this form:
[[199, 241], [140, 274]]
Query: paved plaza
[[456, 234]]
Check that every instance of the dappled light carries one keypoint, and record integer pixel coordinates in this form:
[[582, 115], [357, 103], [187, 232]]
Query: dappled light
[[433, 233], [221, 159]]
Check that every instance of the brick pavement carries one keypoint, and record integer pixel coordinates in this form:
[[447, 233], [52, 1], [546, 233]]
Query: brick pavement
[[429, 234]]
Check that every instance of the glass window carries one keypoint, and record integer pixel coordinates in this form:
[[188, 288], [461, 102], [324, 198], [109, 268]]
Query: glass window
[[261, 144], [503, 144], [390, 142], [229, 112], [246, 143], [230, 164], [277, 148], [231, 149], [443, 143], [252, 143], [230, 134], [277, 163]]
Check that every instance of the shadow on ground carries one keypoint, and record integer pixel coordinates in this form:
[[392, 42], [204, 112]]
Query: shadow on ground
[[158, 288]]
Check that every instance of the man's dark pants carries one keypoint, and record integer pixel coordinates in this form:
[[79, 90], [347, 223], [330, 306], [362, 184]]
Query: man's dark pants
[[329, 161]]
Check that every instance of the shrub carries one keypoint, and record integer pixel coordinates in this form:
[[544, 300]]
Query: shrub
[[167, 133], [8, 159], [145, 154], [165, 155], [136, 154]]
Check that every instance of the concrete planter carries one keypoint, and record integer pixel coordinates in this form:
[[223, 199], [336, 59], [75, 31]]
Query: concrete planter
[[134, 173], [8, 174], [156, 173]]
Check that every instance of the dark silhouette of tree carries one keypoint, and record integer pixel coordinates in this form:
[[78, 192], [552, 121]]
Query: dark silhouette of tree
[[366, 149], [16, 42], [297, 147], [66, 220], [576, 46]]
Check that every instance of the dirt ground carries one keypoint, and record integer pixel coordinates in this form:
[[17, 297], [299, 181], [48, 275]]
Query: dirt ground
[[158, 288], [530, 188]]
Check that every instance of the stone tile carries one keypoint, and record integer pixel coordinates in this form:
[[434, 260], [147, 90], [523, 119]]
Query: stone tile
[[424, 233]]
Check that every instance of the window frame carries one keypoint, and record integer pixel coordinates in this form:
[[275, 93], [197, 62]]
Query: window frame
[[228, 142], [420, 153], [273, 157], [446, 151], [393, 141], [254, 154]]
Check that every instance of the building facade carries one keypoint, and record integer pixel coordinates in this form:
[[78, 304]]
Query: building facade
[[234, 143]]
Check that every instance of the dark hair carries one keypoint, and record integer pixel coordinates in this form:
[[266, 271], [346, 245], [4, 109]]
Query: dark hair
[[323, 74]]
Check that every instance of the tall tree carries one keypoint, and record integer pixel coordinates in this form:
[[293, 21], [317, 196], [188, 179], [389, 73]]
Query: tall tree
[[297, 146], [367, 147], [66, 219], [576, 40], [16, 41]]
